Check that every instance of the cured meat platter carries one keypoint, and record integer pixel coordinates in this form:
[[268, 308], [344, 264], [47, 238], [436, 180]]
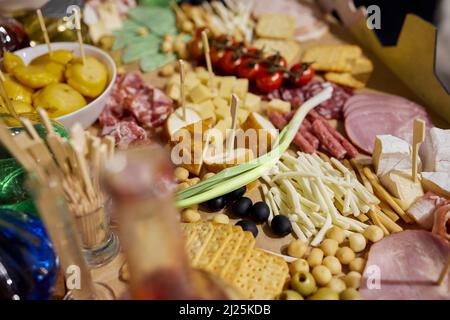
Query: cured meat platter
[[258, 149]]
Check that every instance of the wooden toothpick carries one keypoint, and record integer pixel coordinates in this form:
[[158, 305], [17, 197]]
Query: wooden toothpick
[[182, 96], [79, 36], [208, 58], [233, 110], [44, 30], [444, 271], [418, 138]]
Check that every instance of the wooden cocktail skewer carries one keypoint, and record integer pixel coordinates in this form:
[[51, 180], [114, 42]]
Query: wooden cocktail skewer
[[182, 95], [234, 109], [79, 36], [44, 31], [444, 272], [418, 138], [208, 59]]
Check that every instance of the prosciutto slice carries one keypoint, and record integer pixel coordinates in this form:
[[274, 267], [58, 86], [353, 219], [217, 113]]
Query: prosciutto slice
[[408, 265], [369, 115]]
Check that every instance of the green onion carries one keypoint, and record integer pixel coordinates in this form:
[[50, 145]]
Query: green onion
[[235, 177]]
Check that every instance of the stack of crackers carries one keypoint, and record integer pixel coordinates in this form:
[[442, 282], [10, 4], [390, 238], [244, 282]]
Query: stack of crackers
[[275, 33], [229, 252], [342, 64]]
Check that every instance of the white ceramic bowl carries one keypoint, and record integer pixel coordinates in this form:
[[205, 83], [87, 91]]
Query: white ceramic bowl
[[90, 112]]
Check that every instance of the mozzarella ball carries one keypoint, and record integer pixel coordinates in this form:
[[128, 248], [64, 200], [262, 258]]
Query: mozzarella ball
[[357, 265], [333, 264], [329, 247], [322, 275], [357, 242], [299, 265], [336, 233], [345, 255], [373, 233], [297, 248], [315, 257]]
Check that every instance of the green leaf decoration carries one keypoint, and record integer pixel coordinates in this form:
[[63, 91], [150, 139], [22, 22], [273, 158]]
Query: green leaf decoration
[[157, 17]]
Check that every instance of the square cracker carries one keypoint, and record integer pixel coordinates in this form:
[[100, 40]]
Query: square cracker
[[335, 58], [231, 269], [222, 234], [189, 232], [344, 79], [263, 276], [229, 251], [288, 49], [275, 25], [203, 233]]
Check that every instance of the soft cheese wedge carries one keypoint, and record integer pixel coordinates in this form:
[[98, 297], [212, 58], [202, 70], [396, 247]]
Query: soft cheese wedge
[[437, 182], [401, 185], [435, 151], [176, 121], [391, 153], [264, 133]]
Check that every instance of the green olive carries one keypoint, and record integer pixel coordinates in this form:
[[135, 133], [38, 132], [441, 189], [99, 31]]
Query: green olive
[[304, 283], [324, 294], [290, 295], [350, 294]]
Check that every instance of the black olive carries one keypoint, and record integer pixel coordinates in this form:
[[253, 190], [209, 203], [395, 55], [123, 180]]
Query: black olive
[[216, 204], [236, 194], [259, 212], [281, 226], [248, 225], [241, 206]]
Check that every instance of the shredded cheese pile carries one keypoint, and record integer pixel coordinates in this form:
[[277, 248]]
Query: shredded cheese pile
[[316, 195]]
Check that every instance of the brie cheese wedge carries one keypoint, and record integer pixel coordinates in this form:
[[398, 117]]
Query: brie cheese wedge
[[437, 182], [401, 185], [435, 151]]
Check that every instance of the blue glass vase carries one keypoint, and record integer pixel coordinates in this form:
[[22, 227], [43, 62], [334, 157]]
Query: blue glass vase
[[28, 264]]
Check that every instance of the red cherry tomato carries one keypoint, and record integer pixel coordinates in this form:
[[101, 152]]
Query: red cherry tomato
[[195, 49], [278, 60], [252, 51], [248, 69], [303, 74], [267, 82], [229, 62], [216, 55]]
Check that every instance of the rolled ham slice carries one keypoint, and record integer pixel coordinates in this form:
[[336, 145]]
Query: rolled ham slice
[[369, 115], [408, 265]]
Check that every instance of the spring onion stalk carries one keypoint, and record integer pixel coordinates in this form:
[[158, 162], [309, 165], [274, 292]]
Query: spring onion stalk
[[238, 176]]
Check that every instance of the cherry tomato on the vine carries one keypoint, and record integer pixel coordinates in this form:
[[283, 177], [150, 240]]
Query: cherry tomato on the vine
[[303, 74], [195, 49], [230, 61], [216, 55], [268, 82], [249, 69], [278, 60]]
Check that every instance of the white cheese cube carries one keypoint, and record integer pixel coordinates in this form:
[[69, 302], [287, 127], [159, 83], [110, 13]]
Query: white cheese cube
[[391, 153], [173, 91], [401, 185], [200, 93], [252, 102], [437, 182], [220, 103], [435, 151], [206, 110], [241, 88], [191, 81], [279, 105]]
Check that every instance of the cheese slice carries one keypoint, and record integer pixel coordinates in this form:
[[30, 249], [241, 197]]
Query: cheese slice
[[391, 153], [279, 105], [437, 182], [401, 185], [435, 151]]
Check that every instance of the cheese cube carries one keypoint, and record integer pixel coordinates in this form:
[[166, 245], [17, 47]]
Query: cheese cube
[[401, 185], [226, 86], [241, 88], [222, 126], [223, 112], [279, 105], [191, 81], [174, 79], [437, 182], [242, 115], [199, 93], [220, 103], [252, 102], [391, 153], [203, 76], [173, 91], [206, 110], [435, 151]]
